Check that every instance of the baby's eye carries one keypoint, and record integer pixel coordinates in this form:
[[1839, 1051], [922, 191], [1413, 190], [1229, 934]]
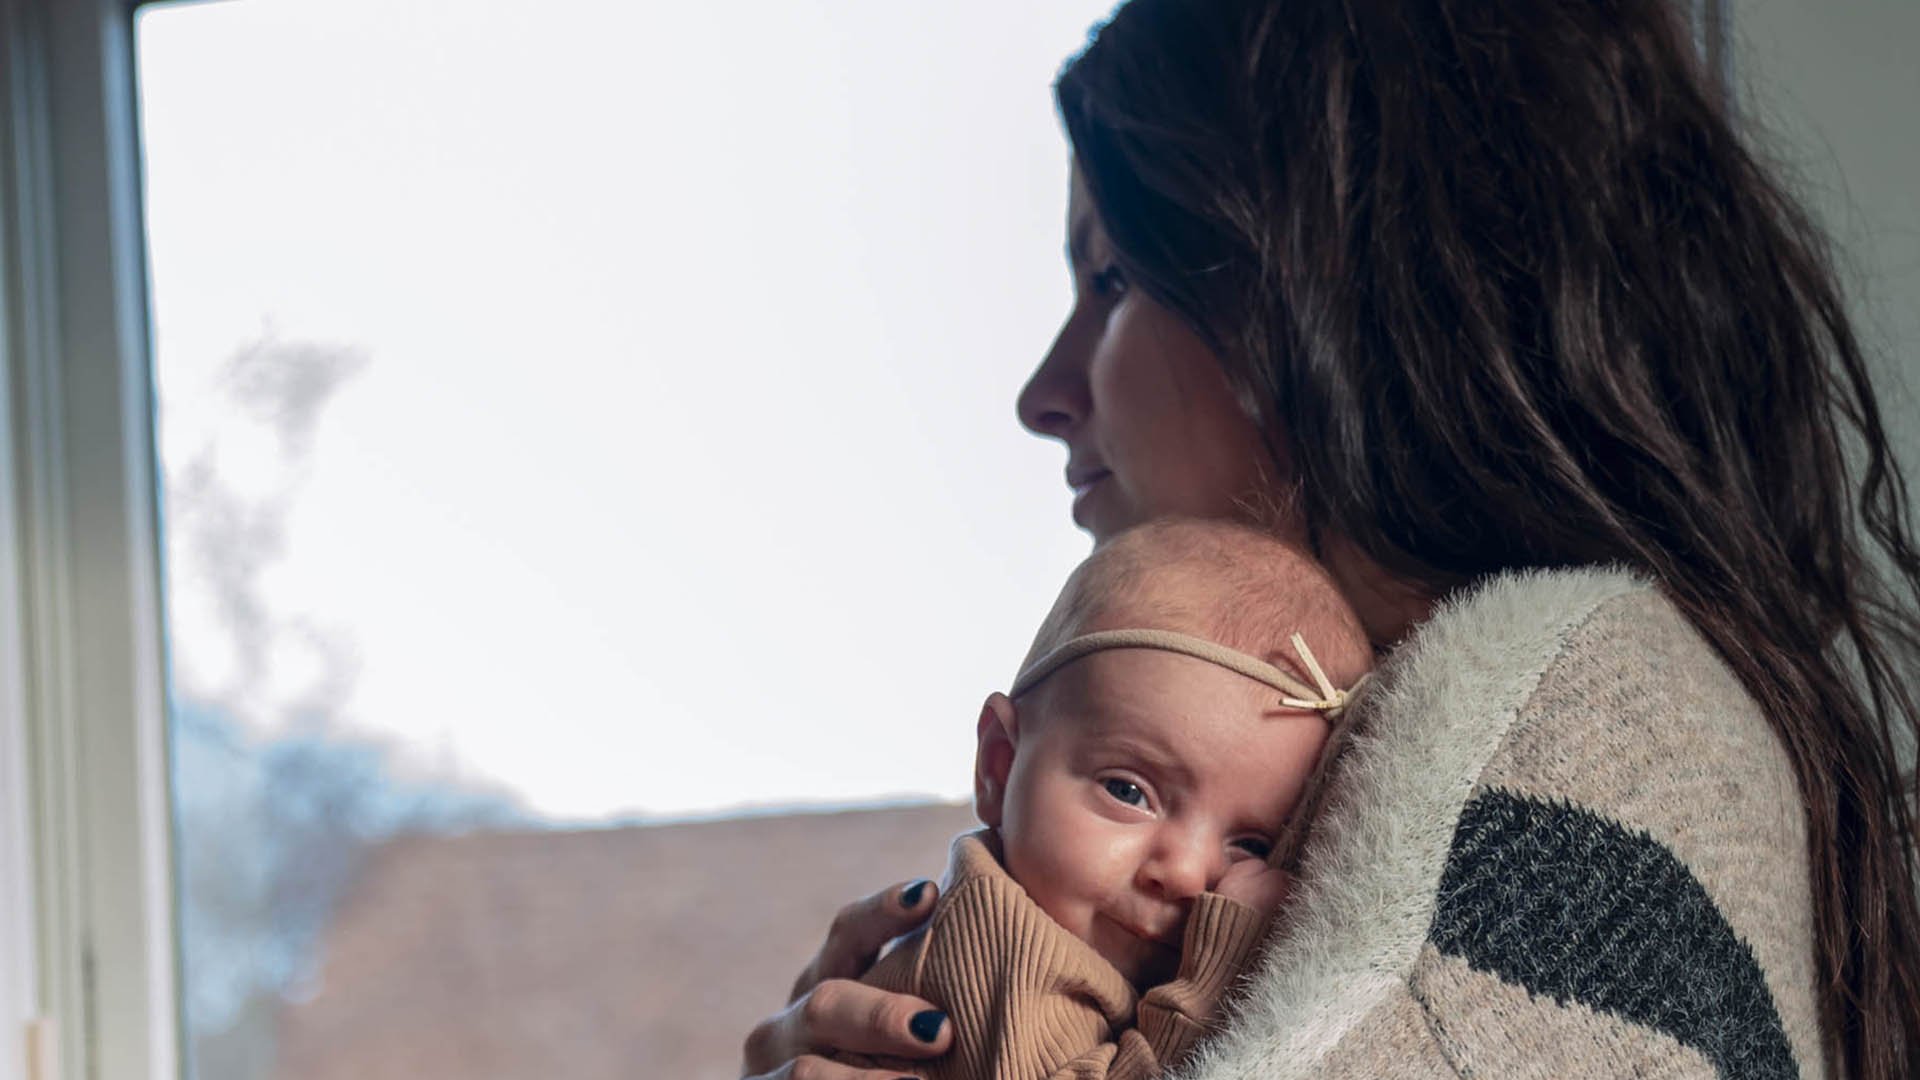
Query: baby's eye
[[1109, 282], [1254, 846], [1125, 790]]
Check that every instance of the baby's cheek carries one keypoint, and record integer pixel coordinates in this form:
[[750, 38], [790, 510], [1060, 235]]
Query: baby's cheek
[[1059, 865]]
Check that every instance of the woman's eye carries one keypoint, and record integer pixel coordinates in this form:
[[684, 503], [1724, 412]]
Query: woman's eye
[[1126, 791], [1254, 846], [1109, 282]]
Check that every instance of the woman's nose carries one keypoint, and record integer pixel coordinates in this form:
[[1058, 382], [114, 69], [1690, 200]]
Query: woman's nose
[[1055, 400]]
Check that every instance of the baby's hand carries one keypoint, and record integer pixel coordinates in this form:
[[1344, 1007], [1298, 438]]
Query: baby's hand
[[1255, 884]]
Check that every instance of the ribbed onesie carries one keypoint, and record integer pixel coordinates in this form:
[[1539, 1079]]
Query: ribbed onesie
[[1029, 1001]]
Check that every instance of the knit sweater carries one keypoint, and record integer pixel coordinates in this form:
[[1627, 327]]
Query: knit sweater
[[1030, 1001], [1563, 842]]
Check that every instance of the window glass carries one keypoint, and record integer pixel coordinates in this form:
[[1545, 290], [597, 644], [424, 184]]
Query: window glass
[[587, 427]]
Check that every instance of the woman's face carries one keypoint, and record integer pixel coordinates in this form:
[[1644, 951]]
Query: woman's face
[[1151, 427]]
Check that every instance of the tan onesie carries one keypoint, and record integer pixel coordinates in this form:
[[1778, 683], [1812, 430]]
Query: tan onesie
[[1029, 1001]]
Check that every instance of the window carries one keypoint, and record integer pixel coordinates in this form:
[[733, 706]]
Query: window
[[570, 426]]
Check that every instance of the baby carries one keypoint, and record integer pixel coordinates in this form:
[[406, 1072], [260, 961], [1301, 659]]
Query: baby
[[1134, 783]]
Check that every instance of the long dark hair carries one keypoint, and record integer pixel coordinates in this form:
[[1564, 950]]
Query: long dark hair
[[1524, 299]]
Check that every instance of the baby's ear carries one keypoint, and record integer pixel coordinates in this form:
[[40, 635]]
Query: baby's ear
[[993, 760]]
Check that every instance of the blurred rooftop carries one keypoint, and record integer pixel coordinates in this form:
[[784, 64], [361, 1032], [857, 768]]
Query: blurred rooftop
[[639, 951]]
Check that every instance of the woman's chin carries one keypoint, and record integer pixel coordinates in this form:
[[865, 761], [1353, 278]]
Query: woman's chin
[[1097, 510]]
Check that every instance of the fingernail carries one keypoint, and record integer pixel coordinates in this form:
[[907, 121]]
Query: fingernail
[[910, 896], [926, 1025]]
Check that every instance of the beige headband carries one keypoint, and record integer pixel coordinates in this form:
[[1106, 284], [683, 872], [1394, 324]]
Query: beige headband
[[1299, 695]]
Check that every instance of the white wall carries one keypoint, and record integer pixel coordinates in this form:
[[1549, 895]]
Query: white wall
[[1837, 87]]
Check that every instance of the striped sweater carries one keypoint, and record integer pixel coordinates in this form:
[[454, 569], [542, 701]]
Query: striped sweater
[[1564, 842]]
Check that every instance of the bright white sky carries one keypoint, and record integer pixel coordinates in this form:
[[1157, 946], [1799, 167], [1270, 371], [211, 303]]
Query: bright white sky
[[682, 471]]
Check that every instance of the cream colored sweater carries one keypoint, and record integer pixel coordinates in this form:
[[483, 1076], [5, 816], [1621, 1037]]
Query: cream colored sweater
[[1029, 1001], [1564, 842]]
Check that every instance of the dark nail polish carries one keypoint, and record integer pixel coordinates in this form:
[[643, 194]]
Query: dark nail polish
[[910, 896], [926, 1025]]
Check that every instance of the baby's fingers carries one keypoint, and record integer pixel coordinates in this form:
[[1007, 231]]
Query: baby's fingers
[[1255, 884]]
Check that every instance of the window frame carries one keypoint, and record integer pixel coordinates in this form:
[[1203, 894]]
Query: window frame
[[82, 689]]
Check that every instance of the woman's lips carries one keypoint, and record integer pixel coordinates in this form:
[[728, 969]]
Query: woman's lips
[[1084, 487], [1082, 478]]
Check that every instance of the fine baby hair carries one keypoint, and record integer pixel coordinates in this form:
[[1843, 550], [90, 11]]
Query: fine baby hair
[[1220, 591]]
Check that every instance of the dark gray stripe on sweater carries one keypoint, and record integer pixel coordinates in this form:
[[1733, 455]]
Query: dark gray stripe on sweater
[[1573, 906]]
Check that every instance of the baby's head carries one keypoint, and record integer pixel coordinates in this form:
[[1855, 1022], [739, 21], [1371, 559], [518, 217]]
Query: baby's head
[[1124, 783]]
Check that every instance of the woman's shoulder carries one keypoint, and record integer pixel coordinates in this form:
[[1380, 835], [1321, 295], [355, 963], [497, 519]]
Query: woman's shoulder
[[1640, 813], [1590, 687], [1585, 686], [1568, 840]]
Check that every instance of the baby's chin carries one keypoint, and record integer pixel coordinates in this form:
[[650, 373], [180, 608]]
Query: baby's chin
[[1142, 961]]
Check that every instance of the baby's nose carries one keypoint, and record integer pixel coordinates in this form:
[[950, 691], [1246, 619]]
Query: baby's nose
[[1181, 870]]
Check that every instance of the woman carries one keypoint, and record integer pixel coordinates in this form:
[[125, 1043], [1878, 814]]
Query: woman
[[1454, 288]]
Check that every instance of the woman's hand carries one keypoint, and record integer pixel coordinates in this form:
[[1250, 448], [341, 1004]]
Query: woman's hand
[[831, 1012], [1255, 884]]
